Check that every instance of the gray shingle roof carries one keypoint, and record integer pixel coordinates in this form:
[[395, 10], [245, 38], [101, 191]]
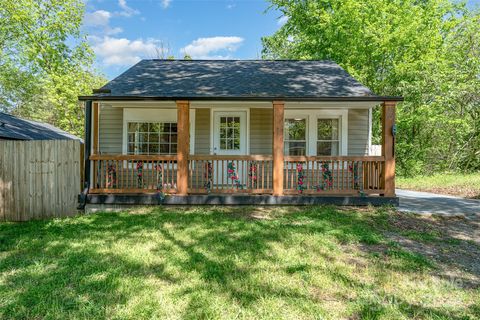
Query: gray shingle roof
[[204, 79], [20, 129]]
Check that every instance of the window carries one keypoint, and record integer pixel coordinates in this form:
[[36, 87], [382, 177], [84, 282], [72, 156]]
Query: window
[[327, 137], [152, 137], [295, 137], [230, 133]]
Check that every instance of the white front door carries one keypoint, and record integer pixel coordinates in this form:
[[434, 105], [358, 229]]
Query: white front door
[[229, 138], [230, 132]]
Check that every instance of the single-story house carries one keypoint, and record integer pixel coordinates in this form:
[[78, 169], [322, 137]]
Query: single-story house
[[237, 132]]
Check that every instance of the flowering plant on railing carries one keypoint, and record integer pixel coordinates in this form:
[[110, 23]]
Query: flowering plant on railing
[[356, 181], [232, 174], [252, 173], [111, 176], [300, 177], [208, 176], [327, 178], [159, 176], [140, 174]]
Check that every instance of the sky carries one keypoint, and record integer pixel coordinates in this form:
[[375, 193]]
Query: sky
[[122, 32]]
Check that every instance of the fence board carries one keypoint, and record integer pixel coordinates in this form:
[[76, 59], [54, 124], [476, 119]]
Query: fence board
[[39, 179]]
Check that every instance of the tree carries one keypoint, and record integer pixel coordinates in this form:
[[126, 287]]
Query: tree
[[45, 61], [426, 51]]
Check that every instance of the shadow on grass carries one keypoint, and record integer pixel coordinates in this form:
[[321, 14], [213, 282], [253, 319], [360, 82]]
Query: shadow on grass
[[88, 267]]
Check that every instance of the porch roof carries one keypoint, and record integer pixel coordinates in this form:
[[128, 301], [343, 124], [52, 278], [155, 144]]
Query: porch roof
[[235, 80]]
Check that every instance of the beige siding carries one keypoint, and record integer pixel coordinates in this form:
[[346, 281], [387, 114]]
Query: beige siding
[[110, 129], [358, 132], [111, 132], [261, 131], [202, 131]]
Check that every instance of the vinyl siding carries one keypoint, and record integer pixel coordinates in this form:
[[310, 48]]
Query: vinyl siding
[[202, 131], [110, 130], [261, 131], [358, 132]]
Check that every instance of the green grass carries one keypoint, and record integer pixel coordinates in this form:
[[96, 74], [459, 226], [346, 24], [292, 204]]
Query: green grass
[[464, 185], [229, 263]]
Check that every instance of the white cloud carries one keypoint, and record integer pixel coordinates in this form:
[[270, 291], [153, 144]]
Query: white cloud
[[99, 23], [203, 48], [122, 51], [166, 3], [282, 20], [97, 18], [231, 6], [112, 31], [126, 10]]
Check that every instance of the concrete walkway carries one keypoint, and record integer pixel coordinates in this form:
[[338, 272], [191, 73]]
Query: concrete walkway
[[431, 203]]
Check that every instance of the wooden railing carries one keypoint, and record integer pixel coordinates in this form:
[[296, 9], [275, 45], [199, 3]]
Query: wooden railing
[[230, 174], [333, 175], [134, 173], [250, 174]]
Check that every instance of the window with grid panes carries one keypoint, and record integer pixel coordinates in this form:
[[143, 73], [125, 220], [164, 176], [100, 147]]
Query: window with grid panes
[[152, 137]]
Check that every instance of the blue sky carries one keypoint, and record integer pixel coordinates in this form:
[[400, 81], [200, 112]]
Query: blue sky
[[122, 32]]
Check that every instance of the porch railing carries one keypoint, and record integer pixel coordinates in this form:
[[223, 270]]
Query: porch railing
[[230, 174], [134, 173], [333, 175], [250, 174]]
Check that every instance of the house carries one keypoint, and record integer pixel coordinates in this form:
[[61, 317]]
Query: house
[[14, 128], [237, 132]]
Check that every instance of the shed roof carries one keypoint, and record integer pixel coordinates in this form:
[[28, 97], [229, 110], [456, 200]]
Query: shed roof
[[15, 128], [235, 80]]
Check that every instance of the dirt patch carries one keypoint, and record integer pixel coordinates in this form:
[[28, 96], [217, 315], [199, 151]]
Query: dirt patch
[[452, 243]]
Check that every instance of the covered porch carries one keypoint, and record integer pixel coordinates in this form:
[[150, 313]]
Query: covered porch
[[282, 174]]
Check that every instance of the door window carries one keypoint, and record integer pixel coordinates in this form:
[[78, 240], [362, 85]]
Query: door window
[[229, 133]]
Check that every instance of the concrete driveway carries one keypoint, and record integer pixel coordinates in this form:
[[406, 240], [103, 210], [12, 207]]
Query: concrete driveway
[[431, 203]]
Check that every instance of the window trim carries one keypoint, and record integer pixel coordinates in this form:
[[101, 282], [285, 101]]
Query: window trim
[[154, 115], [306, 132], [312, 132], [331, 140]]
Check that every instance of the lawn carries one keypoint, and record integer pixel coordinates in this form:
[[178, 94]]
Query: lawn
[[456, 184], [241, 263]]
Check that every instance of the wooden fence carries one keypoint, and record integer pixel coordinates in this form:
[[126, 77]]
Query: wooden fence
[[39, 179]]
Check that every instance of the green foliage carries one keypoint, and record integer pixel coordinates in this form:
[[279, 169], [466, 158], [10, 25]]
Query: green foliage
[[45, 61], [427, 51]]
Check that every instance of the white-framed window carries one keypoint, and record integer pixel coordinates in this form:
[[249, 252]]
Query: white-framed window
[[229, 133], [153, 131], [151, 137], [295, 133], [316, 132], [328, 138]]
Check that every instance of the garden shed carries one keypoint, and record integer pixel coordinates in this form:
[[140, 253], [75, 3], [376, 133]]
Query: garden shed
[[40, 170]]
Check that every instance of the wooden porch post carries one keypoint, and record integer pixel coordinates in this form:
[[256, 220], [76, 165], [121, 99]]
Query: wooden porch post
[[388, 147], [96, 111], [278, 113], [183, 145]]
